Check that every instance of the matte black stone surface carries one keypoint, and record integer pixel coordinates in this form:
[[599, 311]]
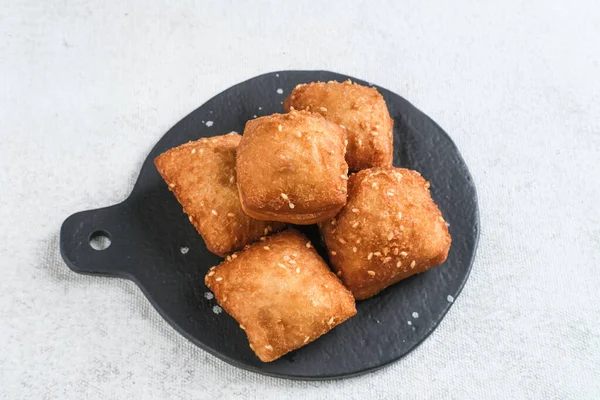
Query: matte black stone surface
[[149, 229]]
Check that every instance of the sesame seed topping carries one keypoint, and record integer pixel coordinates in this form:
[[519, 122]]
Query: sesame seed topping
[[211, 273], [372, 273], [224, 299], [171, 185], [346, 143], [339, 273], [306, 339], [266, 248], [395, 251], [354, 249], [390, 193], [323, 109], [292, 205], [292, 262], [280, 128], [355, 210], [233, 256], [374, 185], [266, 231], [219, 279], [386, 250], [399, 264], [228, 258], [427, 185], [333, 253], [370, 256], [378, 254], [193, 151], [343, 176], [308, 245], [403, 253], [412, 264], [252, 347], [262, 238], [294, 254], [299, 134], [359, 142], [354, 225], [214, 212], [358, 240], [330, 321], [284, 196], [230, 215], [191, 218], [387, 259], [232, 179], [333, 221], [390, 236], [281, 265], [342, 241], [242, 327], [399, 215], [269, 347], [298, 270]]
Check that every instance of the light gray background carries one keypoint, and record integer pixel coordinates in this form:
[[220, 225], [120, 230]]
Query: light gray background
[[88, 87]]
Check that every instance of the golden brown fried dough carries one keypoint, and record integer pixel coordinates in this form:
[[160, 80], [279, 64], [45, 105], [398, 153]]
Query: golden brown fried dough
[[281, 292], [360, 110], [201, 174], [291, 168], [389, 230]]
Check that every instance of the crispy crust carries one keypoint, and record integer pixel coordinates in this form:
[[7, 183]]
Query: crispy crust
[[291, 168], [389, 230], [360, 110], [281, 292], [201, 174]]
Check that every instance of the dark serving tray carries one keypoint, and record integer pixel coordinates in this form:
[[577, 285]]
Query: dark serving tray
[[154, 245]]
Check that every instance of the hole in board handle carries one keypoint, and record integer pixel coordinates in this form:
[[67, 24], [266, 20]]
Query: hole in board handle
[[100, 240]]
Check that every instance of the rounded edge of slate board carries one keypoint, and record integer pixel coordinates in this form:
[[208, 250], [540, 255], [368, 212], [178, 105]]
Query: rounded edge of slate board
[[153, 244]]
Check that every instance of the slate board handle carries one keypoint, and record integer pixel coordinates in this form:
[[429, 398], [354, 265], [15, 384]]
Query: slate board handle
[[79, 229]]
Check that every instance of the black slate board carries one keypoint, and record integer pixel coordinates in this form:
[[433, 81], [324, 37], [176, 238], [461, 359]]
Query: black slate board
[[149, 229]]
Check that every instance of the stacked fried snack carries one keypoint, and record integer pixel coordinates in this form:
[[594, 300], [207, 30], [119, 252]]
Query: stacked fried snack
[[379, 224]]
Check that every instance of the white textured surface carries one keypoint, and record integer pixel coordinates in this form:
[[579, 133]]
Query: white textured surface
[[87, 88]]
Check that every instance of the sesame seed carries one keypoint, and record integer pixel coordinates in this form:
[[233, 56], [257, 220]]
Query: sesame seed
[[358, 240], [219, 279], [390, 193], [281, 265], [298, 270], [323, 109], [228, 258], [294, 254], [230, 215], [242, 327], [299, 134], [232, 179], [269, 347], [387, 259], [233, 256], [374, 185], [342, 241], [346, 143], [390, 235], [193, 151], [343, 176], [354, 249], [399, 264], [403, 253], [262, 238], [252, 347], [354, 225], [386, 250], [171, 185], [427, 185], [374, 133], [339, 273], [291, 205], [370, 256], [412, 264], [399, 215], [378, 254], [395, 251], [359, 142], [333, 253], [292, 262], [191, 218], [284, 196], [211, 273], [224, 299], [280, 128], [308, 245], [372, 273], [266, 248], [355, 210], [333, 221], [214, 212], [306, 339], [330, 321]]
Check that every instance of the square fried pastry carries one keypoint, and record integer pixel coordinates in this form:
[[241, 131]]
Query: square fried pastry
[[201, 174], [389, 230], [281, 293], [291, 168], [360, 110]]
